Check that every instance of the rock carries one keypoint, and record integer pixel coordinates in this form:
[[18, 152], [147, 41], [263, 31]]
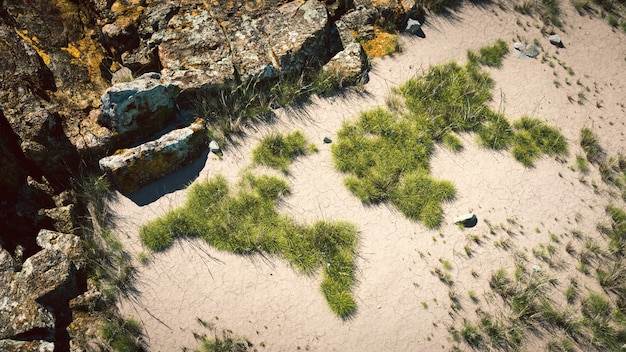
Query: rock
[[296, 34], [88, 136], [31, 297], [467, 220], [138, 107], [345, 36], [327, 139], [132, 168], [63, 217], [359, 17], [524, 51], [214, 147], [349, 66], [413, 26], [6, 261], [193, 49], [26, 346], [68, 244], [555, 40], [89, 301]]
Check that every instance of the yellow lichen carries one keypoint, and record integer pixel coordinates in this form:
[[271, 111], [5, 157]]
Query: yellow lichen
[[383, 44], [45, 57], [72, 50]]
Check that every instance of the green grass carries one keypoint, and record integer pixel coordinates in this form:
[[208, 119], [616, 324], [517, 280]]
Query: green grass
[[582, 164], [279, 151], [547, 10], [245, 220], [591, 146], [122, 335], [385, 153], [452, 142], [489, 55], [225, 343], [534, 138]]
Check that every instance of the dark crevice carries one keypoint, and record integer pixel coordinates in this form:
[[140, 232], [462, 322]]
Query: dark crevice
[[34, 334]]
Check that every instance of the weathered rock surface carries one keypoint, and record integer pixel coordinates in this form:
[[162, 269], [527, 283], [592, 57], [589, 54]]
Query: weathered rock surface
[[194, 50], [31, 297], [525, 51], [138, 107], [68, 244], [26, 346], [135, 167], [349, 65]]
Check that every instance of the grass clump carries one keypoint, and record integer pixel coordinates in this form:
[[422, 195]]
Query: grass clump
[[279, 151], [590, 145], [496, 133], [489, 55], [122, 335], [533, 138], [245, 221]]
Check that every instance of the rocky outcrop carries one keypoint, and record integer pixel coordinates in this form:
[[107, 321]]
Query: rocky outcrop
[[139, 107], [349, 65], [135, 167], [35, 298]]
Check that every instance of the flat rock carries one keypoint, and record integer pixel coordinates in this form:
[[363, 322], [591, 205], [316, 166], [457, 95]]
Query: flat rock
[[132, 168], [524, 51]]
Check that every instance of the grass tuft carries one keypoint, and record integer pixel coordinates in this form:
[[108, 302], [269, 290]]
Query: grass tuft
[[279, 151], [489, 55]]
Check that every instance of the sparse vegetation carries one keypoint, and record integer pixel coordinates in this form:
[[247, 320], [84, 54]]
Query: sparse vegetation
[[122, 335], [489, 55]]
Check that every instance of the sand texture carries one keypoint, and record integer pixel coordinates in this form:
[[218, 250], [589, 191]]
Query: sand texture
[[265, 300]]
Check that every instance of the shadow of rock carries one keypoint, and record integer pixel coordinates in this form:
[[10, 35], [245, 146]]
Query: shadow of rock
[[173, 182]]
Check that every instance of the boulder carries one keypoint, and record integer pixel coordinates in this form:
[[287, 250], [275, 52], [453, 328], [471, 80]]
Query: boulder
[[467, 220], [132, 168], [361, 21], [63, 217], [214, 147], [524, 51], [349, 65], [139, 107], [555, 40]]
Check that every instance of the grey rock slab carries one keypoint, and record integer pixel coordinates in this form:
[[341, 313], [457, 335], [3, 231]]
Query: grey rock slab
[[132, 168]]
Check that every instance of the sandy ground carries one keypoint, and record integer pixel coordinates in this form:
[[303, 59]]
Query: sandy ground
[[273, 306]]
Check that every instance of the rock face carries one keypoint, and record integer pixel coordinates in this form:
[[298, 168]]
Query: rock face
[[138, 107], [35, 298], [349, 65], [135, 167]]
